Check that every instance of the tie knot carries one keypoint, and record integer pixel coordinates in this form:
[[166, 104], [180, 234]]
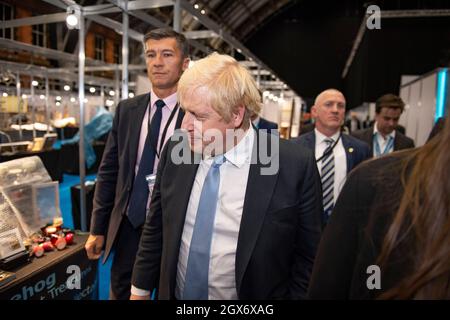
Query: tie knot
[[160, 104], [218, 161], [329, 141]]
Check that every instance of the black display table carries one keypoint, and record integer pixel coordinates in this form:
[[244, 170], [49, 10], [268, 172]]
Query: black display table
[[50, 159], [46, 277]]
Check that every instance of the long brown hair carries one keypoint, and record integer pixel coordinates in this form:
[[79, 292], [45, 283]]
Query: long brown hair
[[423, 218]]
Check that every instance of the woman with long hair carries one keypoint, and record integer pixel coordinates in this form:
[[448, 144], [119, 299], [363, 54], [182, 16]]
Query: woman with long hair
[[389, 235]]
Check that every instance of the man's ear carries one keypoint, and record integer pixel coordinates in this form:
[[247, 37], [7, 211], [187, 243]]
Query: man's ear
[[314, 111], [238, 116], [185, 63]]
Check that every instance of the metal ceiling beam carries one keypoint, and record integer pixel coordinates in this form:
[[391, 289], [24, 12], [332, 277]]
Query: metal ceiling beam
[[415, 13], [60, 74], [134, 67], [45, 52], [249, 64], [46, 18], [200, 34], [159, 24], [116, 26], [87, 11], [212, 25], [389, 14], [138, 4], [261, 72], [148, 4], [107, 22]]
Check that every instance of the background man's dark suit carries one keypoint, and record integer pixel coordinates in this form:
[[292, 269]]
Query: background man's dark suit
[[356, 150], [400, 142], [278, 235], [116, 173], [353, 238], [266, 124]]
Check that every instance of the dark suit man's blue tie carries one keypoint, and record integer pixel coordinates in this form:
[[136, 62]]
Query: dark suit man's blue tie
[[196, 280], [139, 194]]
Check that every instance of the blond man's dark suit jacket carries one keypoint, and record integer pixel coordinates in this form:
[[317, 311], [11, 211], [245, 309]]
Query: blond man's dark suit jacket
[[279, 230]]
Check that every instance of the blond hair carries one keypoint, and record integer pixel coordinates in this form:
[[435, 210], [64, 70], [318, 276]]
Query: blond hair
[[229, 85]]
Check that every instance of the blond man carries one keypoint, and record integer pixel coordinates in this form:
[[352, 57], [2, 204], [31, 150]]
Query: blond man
[[222, 227]]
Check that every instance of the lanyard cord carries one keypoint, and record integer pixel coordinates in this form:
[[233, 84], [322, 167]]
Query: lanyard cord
[[329, 150]]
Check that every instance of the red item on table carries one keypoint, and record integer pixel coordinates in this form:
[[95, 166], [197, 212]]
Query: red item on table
[[69, 238], [48, 246], [38, 251], [60, 243]]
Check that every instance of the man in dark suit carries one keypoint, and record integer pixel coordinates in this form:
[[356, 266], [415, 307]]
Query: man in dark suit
[[261, 123], [382, 136], [336, 153], [141, 127], [239, 223]]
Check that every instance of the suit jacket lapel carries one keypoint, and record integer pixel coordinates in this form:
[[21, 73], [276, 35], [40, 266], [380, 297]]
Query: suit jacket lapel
[[179, 119], [136, 116], [397, 142], [257, 199], [349, 155], [183, 182]]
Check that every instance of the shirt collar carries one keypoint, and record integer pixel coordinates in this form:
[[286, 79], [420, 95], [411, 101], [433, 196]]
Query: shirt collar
[[375, 131], [170, 101], [320, 137], [240, 153]]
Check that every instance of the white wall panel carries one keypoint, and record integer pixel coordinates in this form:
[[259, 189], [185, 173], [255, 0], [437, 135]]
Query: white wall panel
[[427, 109]]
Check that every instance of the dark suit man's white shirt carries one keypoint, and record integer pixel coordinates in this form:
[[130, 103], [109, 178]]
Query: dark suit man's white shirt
[[382, 142], [340, 160], [233, 185], [170, 102]]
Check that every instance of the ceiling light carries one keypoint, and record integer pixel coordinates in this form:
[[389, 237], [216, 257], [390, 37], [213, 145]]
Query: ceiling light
[[42, 97], [73, 17], [24, 96], [196, 6], [91, 89], [66, 87], [72, 20], [58, 103], [34, 83], [112, 93], [203, 11], [131, 95], [58, 98], [5, 94]]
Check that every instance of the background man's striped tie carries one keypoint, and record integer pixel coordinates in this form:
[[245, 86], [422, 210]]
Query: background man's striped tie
[[327, 177]]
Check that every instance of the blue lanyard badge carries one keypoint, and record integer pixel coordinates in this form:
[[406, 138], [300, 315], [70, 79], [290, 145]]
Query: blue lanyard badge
[[386, 150]]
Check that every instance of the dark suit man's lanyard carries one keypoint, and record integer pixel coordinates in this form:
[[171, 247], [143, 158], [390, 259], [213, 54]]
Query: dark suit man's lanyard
[[163, 136], [328, 151]]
